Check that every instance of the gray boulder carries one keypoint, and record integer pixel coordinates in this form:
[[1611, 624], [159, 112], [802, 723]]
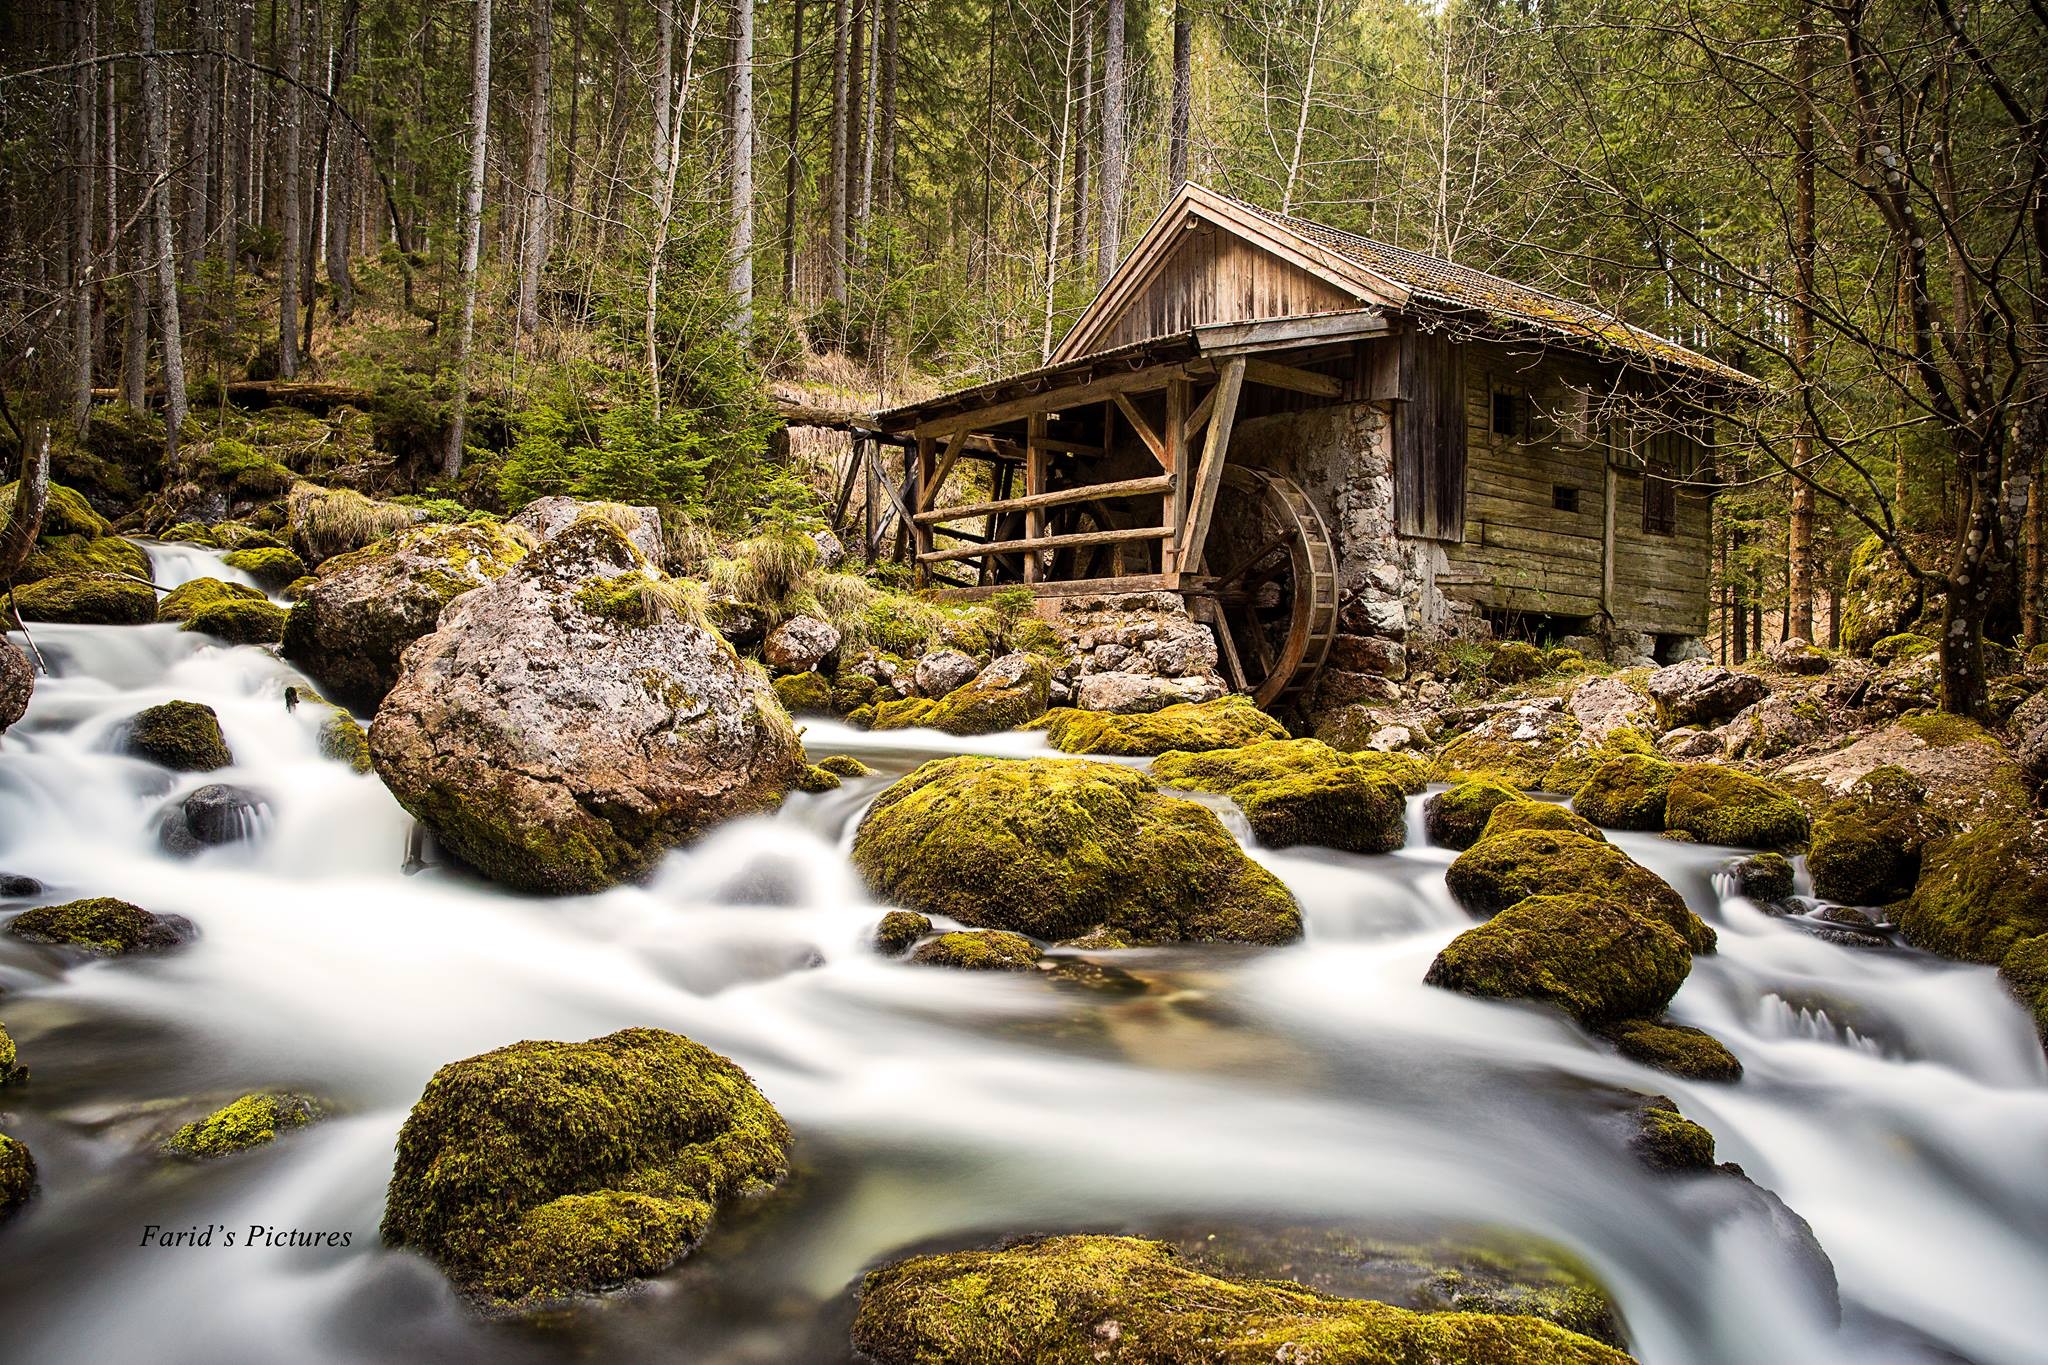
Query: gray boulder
[[800, 644], [1133, 693], [548, 517], [1697, 692], [942, 670], [559, 735], [1608, 703], [214, 814], [17, 681]]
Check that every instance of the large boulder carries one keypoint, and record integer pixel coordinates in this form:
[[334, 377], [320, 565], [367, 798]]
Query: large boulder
[[1504, 868], [181, 602], [1628, 791], [1059, 848], [1593, 957], [103, 926], [942, 670], [1718, 805], [350, 627], [1083, 1299], [183, 736], [210, 816], [1698, 692], [543, 1170], [86, 600], [1879, 598], [1981, 891], [1135, 693], [17, 683], [546, 518], [1225, 723], [17, 1176], [569, 723], [1457, 816], [1517, 744], [1867, 846], [240, 623], [1610, 702], [1297, 791], [802, 643]]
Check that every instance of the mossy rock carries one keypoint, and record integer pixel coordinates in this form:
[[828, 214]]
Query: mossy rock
[[1456, 818], [2025, 973], [1666, 1140], [1981, 891], [1627, 792], [1502, 869], [250, 1121], [101, 925], [343, 740], [1580, 760], [1766, 878], [188, 533], [1593, 957], [240, 622], [979, 950], [1511, 816], [804, 694], [1409, 772], [1867, 852], [898, 930], [1524, 762], [1084, 1299], [814, 779], [84, 600], [1516, 661], [902, 713], [845, 765], [272, 567], [1055, 848], [1692, 1053], [1899, 648], [544, 1169], [183, 736], [1009, 693], [88, 556], [181, 602], [1718, 805], [17, 1176], [235, 535], [1297, 791], [1227, 723], [66, 513], [10, 1072]]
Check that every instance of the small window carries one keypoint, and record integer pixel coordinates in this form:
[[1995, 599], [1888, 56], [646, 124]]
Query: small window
[[1510, 413], [1660, 500], [1564, 498]]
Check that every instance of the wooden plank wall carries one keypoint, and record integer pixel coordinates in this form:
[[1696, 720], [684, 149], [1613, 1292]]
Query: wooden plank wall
[[1216, 276]]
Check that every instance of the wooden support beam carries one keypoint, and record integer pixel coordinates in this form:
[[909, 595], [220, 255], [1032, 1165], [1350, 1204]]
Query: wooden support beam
[[1030, 545], [1236, 338], [1144, 430], [1277, 376], [1035, 463], [1176, 460], [871, 500], [1123, 488], [1215, 449], [929, 492], [923, 487], [1199, 418], [1050, 400], [1071, 447]]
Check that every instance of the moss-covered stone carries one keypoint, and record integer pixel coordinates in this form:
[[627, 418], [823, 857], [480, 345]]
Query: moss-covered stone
[[1510, 816], [1681, 1050], [1518, 747], [815, 779], [1766, 878], [1082, 1300], [1981, 891], [17, 1176], [1502, 869], [1868, 851], [182, 601], [66, 513], [1227, 723], [1054, 848], [1719, 805], [272, 567], [1516, 661], [87, 556], [342, 739], [1898, 648], [188, 533], [1297, 791], [1583, 757], [250, 1121], [978, 950], [1595, 958], [845, 765], [902, 713], [240, 623], [1627, 792], [11, 1073], [898, 930], [2025, 973], [546, 1169], [1456, 818], [85, 600], [1009, 693], [183, 736], [101, 925], [804, 694], [1666, 1140], [1409, 772]]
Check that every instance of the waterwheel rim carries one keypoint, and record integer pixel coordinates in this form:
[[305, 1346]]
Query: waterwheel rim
[[1272, 586]]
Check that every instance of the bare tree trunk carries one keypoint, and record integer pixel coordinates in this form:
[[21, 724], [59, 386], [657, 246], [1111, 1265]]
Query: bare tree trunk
[[743, 167], [1183, 96], [533, 247], [1108, 236], [871, 111], [836, 231], [472, 230], [199, 185], [1085, 126], [885, 171], [288, 266], [1799, 531], [84, 125], [665, 196], [790, 165], [159, 138], [1055, 190], [571, 144], [341, 179], [24, 517], [1308, 95]]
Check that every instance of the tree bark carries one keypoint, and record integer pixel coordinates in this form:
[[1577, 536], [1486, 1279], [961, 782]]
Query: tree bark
[[885, 171], [790, 166], [341, 178], [1055, 190], [836, 230], [533, 245], [472, 230], [294, 247], [742, 279], [870, 111], [1108, 233], [84, 126], [199, 127], [156, 118], [1183, 96], [25, 512], [1799, 530]]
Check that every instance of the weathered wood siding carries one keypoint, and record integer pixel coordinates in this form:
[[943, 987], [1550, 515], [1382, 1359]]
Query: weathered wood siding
[[1215, 276], [1430, 439]]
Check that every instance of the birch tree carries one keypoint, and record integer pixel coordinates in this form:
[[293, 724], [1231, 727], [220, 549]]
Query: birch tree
[[742, 281], [533, 244], [169, 324], [472, 230]]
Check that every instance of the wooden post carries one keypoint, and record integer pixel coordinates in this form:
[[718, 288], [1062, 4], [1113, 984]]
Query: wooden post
[[1215, 449], [922, 491], [1175, 440], [1035, 460], [863, 451], [1607, 539]]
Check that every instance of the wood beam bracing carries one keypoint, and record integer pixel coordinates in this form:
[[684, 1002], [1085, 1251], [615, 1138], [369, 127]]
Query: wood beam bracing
[[1215, 448], [1124, 488], [928, 492], [1031, 545], [1049, 400], [1176, 459], [1277, 376], [1035, 464], [1144, 429]]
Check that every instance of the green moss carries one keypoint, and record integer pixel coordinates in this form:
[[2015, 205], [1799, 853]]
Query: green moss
[[896, 624], [1082, 1300], [1502, 869], [271, 567], [1580, 759], [815, 779], [898, 930], [1409, 772], [1765, 877], [180, 602], [188, 533], [1515, 661], [234, 535], [1898, 648], [183, 736], [1689, 1052], [343, 740], [240, 622], [1510, 816], [978, 950], [545, 1169], [1457, 817], [988, 707], [1941, 730], [1297, 791], [1227, 723], [1867, 852], [1666, 1140], [804, 694], [1980, 891], [250, 472], [1718, 805], [80, 600], [17, 1176], [87, 556], [101, 925], [907, 713], [1628, 792], [1055, 847], [10, 1073], [2025, 973], [250, 1121], [845, 765], [1523, 763], [66, 513], [1593, 957]]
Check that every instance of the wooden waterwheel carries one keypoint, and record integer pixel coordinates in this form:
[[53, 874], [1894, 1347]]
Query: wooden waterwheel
[[1269, 585]]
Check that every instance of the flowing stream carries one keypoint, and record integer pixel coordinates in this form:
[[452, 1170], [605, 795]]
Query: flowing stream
[[1899, 1103]]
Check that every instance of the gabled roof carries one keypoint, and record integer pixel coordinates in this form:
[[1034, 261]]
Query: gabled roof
[[1378, 274]]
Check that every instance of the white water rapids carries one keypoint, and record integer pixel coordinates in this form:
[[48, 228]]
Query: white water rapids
[[1897, 1102]]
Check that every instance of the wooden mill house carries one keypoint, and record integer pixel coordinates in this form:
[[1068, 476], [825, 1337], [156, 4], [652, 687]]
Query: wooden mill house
[[1327, 444]]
